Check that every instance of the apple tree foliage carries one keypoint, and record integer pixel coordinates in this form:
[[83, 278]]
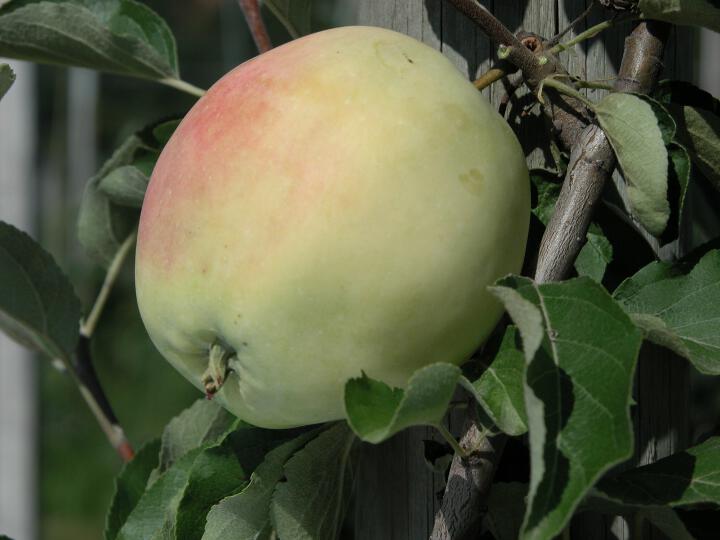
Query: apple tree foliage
[[558, 373]]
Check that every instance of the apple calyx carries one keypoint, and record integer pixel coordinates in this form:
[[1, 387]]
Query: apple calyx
[[216, 373]]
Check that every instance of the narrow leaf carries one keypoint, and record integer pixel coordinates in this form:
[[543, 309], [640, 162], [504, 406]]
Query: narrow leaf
[[311, 503], [632, 128], [580, 376], [679, 311], [38, 306], [118, 36]]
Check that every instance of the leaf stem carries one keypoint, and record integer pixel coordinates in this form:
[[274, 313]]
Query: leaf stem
[[451, 441], [183, 86], [87, 327], [489, 77], [583, 36], [85, 377], [567, 90]]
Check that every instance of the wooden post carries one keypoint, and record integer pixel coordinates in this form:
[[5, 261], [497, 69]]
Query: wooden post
[[398, 495]]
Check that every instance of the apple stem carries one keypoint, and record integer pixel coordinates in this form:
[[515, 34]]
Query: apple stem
[[216, 373], [459, 450]]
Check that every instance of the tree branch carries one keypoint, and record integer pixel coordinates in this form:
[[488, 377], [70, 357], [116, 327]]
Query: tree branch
[[468, 484], [517, 53], [592, 162], [251, 10]]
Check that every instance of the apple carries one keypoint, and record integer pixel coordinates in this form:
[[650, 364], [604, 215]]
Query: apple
[[336, 205]]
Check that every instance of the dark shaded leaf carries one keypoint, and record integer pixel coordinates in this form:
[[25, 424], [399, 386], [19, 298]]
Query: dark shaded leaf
[[38, 306], [686, 478]]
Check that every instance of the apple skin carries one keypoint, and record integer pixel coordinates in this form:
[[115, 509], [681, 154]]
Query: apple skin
[[336, 205]]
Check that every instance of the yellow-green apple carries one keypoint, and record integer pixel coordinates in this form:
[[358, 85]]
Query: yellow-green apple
[[336, 205]]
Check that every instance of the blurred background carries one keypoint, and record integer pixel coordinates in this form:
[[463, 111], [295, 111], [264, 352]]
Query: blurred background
[[58, 126]]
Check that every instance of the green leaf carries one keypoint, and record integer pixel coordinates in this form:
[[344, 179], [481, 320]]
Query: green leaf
[[247, 514], [506, 508], [685, 93], [664, 120], [663, 518], [500, 388], [117, 36], [109, 207], [102, 224], [177, 500], [684, 12], [311, 503], [7, 78], [216, 474], [577, 393], [38, 306], [547, 185], [632, 128], [125, 186], [295, 15], [203, 424], [376, 412], [678, 311], [699, 131], [129, 487], [686, 478], [596, 254], [156, 510], [523, 312]]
